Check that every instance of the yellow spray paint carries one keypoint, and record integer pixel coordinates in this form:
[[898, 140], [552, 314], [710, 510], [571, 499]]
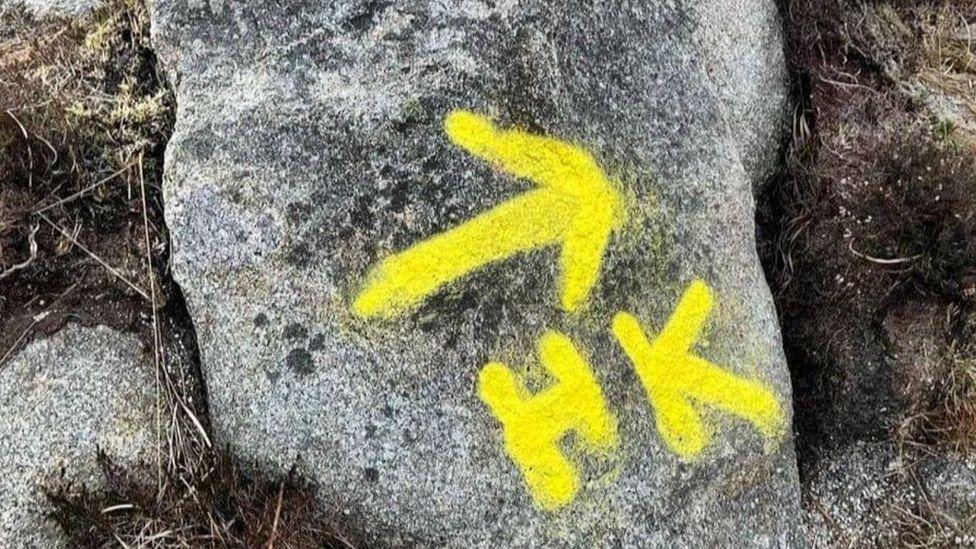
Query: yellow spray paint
[[674, 378], [574, 206], [534, 424]]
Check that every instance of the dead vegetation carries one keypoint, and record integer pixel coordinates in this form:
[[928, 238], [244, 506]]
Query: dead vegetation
[[876, 208], [84, 119], [225, 508], [872, 253], [940, 415]]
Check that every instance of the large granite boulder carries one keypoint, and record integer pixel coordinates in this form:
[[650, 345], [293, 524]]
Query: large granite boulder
[[62, 400], [486, 270]]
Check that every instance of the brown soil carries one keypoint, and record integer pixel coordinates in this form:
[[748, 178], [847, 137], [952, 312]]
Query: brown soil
[[875, 208], [869, 243], [84, 117], [229, 507]]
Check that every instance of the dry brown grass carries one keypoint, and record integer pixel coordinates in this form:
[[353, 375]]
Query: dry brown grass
[[941, 415], [876, 206], [872, 254], [225, 507], [84, 119], [949, 53]]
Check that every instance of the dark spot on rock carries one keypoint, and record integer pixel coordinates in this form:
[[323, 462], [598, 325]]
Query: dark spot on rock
[[399, 197], [431, 164], [409, 437], [299, 255], [370, 430], [317, 343], [300, 361], [362, 20], [297, 212], [261, 320], [388, 411], [295, 331], [272, 375], [371, 474]]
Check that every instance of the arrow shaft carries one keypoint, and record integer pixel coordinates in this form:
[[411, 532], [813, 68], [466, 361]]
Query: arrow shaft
[[521, 224], [575, 205]]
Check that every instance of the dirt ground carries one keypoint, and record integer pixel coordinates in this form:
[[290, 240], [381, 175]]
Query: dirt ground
[[84, 118], [868, 238]]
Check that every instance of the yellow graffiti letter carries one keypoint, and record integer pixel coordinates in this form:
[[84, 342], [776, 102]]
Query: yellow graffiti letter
[[574, 207], [673, 377], [534, 424]]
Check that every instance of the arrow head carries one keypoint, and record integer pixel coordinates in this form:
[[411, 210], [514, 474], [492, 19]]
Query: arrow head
[[575, 207], [582, 200]]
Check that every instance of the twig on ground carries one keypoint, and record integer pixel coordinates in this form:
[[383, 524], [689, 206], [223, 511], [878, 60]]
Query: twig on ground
[[32, 243], [16, 343], [881, 261], [30, 151], [157, 347], [277, 516], [84, 191], [100, 261]]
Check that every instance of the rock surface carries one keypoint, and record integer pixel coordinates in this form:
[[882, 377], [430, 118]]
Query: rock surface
[[747, 67], [52, 8], [868, 494], [61, 400], [310, 146]]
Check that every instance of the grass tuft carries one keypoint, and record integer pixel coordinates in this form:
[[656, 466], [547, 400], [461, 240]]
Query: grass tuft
[[84, 119], [226, 507]]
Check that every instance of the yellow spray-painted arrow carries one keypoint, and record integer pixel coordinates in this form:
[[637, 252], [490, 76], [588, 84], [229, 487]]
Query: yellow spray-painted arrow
[[574, 206], [674, 378]]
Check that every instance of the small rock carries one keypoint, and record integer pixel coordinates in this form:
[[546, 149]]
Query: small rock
[[61, 400]]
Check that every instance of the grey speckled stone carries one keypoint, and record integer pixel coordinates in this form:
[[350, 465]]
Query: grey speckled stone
[[60, 400], [743, 56], [309, 145], [52, 8]]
